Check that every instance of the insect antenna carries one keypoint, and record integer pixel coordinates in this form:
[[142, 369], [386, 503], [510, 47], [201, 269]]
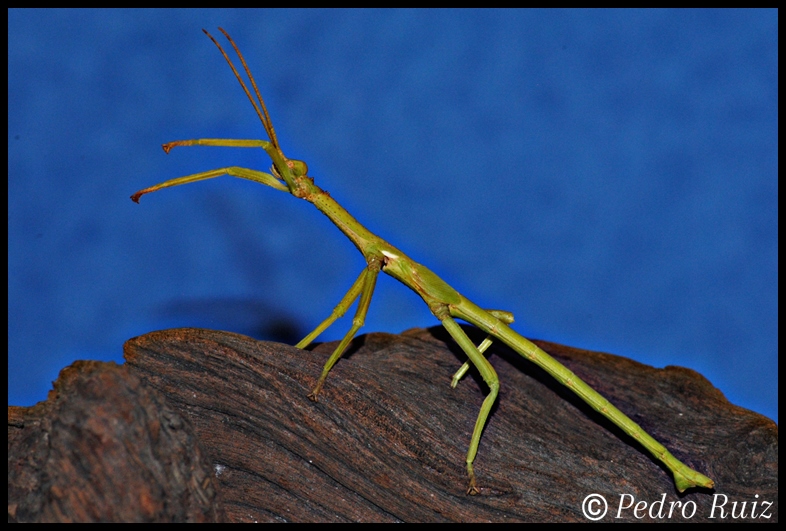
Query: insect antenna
[[263, 114]]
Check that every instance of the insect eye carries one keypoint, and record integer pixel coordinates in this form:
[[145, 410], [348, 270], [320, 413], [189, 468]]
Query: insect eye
[[298, 167]]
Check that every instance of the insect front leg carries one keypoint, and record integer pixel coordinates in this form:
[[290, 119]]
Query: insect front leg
[[233, 171]]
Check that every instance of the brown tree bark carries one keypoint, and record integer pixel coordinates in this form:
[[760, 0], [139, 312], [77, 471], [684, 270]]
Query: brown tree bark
[[221, 426], [105, 447]]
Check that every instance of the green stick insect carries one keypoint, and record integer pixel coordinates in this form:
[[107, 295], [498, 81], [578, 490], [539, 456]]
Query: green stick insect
[[290, 175]]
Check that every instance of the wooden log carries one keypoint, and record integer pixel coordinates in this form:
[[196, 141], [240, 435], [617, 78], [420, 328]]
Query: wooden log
[[388, 438], [104, 447]]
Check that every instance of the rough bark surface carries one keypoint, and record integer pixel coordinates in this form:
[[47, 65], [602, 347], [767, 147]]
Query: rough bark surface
[[220, 426], [104, 447]]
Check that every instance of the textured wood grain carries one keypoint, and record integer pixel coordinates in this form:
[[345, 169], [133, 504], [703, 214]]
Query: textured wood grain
[[105, 447], [388, 438]]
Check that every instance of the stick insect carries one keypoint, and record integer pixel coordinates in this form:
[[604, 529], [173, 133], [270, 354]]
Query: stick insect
[[290, 175]]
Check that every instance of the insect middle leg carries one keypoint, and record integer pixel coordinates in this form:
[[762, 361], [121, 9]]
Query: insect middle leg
[[367, 281]]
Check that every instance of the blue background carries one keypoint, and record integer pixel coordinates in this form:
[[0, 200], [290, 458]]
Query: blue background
[[608, 176]]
